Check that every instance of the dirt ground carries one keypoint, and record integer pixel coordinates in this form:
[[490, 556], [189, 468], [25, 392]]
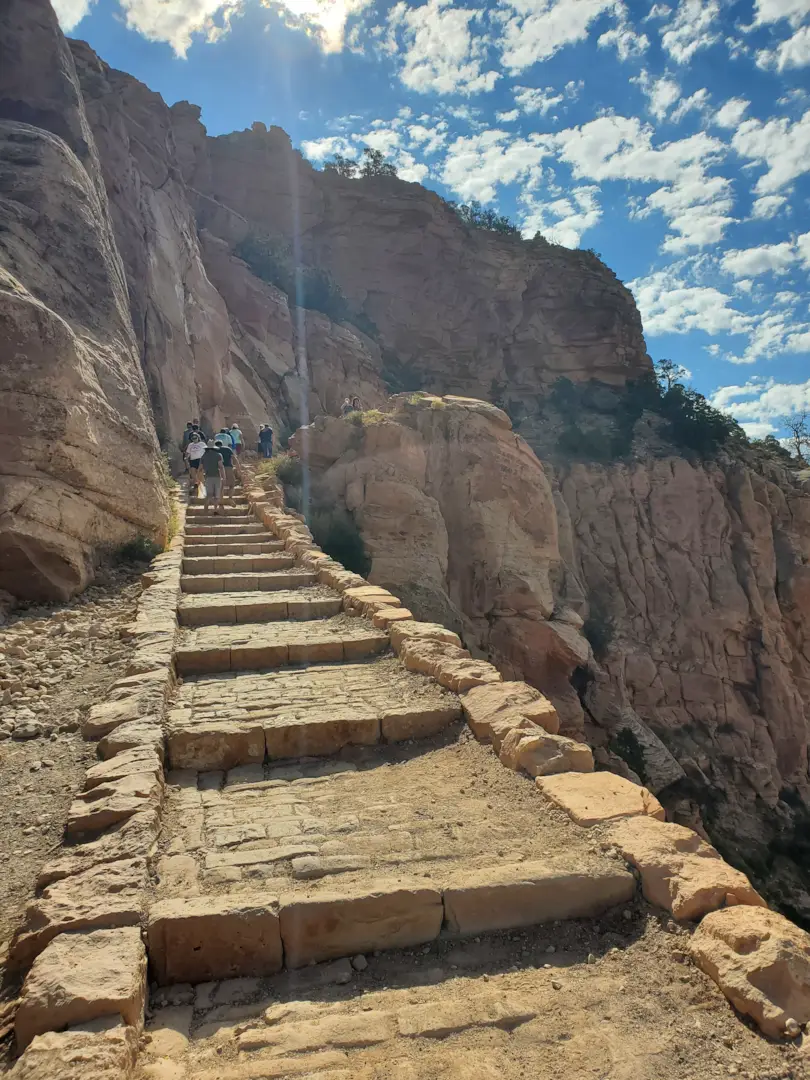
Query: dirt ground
[[609, 999], [55, 661]]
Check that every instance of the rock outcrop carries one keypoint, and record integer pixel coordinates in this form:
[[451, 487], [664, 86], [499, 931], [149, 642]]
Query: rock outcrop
[[80, 464], [691, 581]]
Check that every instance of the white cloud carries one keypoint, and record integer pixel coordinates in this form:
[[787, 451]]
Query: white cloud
[[803, 248], [697, 102], [792, 53], [661, 93], [731, 113], [320, 149], [441, 54], [535, 30], [765, 259], [623, 38], [175, 21], [658, 11], [767, 206], [758, 429], [780, 144], [759, 400], [429, 139], [563, 220], [536, 101], [71, 12], [697, 207], [771, 11], [755, 261], [669, 305], [507, 117], [476, 164], [692, 28]]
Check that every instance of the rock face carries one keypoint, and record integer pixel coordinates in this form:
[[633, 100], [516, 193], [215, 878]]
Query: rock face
[[692, 579], [79, 454]]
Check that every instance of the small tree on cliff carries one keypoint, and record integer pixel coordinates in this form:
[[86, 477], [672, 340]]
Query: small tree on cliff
[[669, 374], [374, 164], [474, 215], [343, 166], [798, 424]]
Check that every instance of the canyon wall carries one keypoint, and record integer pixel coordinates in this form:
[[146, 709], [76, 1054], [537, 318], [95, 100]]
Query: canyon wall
[[691, 580], [79, 462]]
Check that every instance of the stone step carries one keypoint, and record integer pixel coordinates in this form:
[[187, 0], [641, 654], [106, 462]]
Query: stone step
[[207, 550], [314, 602], [256, 646], [264, 582], [234, 506], [214, 540], [238, 718], [220, 529], [237, 564], [215, 520], [379, 852], [495, 1009]]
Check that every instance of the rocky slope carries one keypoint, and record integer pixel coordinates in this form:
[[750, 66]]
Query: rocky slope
[[693, 581], [79, 455]]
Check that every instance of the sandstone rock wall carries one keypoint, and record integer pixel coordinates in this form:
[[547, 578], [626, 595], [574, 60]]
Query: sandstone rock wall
[[693, 580], [699, 576], [465, 311], [78, 456]]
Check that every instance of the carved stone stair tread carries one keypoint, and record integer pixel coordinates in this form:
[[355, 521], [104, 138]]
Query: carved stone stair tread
[[255, 646], [264, 581], [237, 564], [307, 602], [212, 547]]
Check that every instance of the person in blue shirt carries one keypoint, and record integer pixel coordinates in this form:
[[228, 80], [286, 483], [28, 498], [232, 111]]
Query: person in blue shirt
[[266, 441], [224, 437]]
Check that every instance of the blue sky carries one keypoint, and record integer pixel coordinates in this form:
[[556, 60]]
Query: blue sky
[[673, 138]]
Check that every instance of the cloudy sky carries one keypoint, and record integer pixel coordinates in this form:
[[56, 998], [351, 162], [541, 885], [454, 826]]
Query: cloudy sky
[[673, 138]]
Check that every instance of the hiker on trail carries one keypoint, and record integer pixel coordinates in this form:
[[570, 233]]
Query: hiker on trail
[[187, 435], [356, 407], [236, 438], [266, 441], [213, 466], [194, 451], [225, 436], [346, 407], [228, 462]]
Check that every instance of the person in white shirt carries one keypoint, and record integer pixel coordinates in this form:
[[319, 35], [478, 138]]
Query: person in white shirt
[[236, 438], [194, 453]]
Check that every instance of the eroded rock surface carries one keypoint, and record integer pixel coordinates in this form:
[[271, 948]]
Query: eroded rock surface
[[71, 389]]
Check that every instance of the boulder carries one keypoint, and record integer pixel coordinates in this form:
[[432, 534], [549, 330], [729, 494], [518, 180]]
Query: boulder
[[598, 797], [680, 872], [80, 977], [494, 709], [540, 754], [761, 962]]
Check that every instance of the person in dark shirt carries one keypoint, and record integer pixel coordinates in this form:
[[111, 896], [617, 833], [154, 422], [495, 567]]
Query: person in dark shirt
[[214, 469], [227, 461], [266, 441]]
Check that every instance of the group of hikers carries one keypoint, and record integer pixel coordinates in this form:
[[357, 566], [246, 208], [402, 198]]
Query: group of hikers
[[212, 461]]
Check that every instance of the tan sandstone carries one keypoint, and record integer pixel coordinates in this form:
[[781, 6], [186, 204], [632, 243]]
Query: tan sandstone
[[80, 977], [598, 797], [680, 872], [761, 962]]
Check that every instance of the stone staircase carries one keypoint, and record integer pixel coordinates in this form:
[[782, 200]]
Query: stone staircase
[[297, 775]]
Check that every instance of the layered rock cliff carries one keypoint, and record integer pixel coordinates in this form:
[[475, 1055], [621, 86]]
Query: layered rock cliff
[[691, 580], [79, 463]]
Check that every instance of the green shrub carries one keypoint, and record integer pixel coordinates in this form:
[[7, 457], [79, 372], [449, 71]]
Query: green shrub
[[308, 287], [474, 215], [373, 164], [138, 550], [366, 417]]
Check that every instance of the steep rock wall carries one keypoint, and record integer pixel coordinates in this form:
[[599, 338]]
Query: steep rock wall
[[78, 456], [693, 579], [465, 311]]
